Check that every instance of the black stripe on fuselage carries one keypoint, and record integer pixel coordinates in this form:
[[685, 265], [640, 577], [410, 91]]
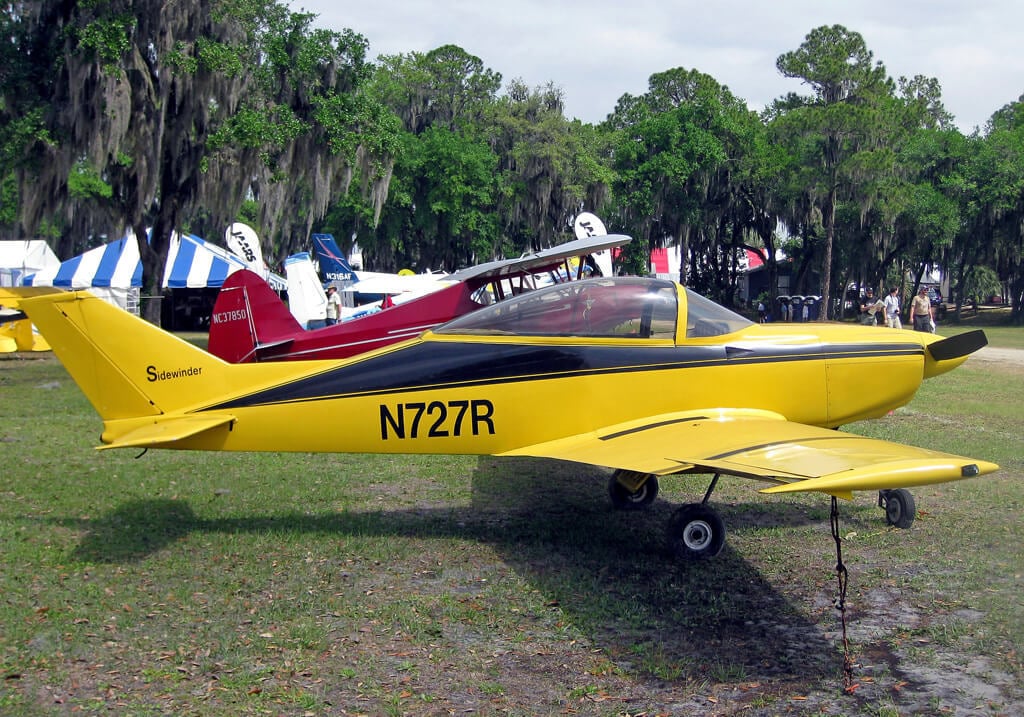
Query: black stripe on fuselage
[[430, 365]]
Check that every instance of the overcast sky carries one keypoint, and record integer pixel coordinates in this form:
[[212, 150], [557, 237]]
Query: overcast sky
[[599, 50]]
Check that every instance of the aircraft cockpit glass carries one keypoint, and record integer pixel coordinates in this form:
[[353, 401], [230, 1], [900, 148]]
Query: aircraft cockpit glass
[[706, 318], [599, 308]]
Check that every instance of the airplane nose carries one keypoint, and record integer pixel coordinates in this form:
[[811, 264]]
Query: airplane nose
[[945, 354]]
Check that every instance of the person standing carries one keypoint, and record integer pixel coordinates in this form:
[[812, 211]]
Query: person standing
[[333, 305], [870, 308], [921, 311], [893, 309]]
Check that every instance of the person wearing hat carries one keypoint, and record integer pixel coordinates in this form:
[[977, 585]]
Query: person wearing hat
[[921, 311], [333, 305]]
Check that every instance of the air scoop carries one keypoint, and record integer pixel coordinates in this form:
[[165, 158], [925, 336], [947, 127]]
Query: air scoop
[[948, 353]]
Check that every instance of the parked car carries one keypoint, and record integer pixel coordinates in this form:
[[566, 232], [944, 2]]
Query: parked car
[[935, 296]]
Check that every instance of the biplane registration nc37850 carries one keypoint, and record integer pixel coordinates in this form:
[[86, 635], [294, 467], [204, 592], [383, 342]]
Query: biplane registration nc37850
[[662, 381]]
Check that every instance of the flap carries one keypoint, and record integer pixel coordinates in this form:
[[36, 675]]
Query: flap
[[761, 445]]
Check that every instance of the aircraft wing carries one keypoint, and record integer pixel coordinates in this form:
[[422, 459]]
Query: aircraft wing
[[539, 261], [400, 283], [761, 445]]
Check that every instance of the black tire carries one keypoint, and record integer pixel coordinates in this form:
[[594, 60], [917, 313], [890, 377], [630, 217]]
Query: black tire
[[696, 532], [899, 508], [625, 499]]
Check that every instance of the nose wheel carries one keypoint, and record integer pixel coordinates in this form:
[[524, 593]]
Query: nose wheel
[[631, 490], [899, 507]]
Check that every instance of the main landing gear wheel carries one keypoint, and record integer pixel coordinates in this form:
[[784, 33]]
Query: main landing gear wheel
[[630, 490], [899, 507], [696, 532]]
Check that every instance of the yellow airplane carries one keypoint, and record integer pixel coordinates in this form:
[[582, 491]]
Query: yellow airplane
[[16, 332], [637, 374]]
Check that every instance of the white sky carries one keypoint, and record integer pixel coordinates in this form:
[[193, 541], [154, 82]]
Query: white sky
[[597, 51]]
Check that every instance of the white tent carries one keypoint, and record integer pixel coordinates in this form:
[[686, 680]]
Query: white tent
[[23, 257]]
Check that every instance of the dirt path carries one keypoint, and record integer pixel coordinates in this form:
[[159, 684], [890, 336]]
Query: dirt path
[[990, 353]]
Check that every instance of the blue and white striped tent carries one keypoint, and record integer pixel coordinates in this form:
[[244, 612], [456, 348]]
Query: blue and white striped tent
[[112, 271], [115, 265], [195, 263]]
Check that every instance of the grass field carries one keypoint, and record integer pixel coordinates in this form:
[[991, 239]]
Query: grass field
[[279, 584]]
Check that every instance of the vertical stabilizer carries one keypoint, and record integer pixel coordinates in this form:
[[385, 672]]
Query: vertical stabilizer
[[248, 314], [306, 298], [125, 366], [334, 267]]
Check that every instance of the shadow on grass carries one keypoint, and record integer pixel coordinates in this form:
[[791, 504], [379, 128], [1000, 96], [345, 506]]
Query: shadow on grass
[[134, 530], [608, 572]]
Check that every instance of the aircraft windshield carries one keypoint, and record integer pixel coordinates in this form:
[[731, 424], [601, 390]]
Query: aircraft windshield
[[706, 318], [606, 308]]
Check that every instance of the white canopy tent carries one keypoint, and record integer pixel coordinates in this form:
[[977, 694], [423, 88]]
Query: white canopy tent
[[22, 257]]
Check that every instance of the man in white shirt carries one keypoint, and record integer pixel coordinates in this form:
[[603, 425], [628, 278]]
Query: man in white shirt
[[892, 309]]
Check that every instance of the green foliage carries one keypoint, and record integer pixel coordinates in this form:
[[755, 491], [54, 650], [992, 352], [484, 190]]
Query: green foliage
[[20, 134], [248, 212], [257, 128], [85, 182], [981, 282], [215, 56], [9, 200], [108, 38]]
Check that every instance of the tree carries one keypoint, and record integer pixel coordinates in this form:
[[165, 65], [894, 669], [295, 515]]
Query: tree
[[440, 207], [836, 123], [690, 158], [177, 111], [479, 175], [550, 168], [997, 171]]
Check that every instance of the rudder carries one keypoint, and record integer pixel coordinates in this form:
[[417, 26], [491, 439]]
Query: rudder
[[246, 315], [333, 264]]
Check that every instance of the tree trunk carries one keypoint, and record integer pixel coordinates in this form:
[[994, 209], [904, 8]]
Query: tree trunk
[[826, 269]]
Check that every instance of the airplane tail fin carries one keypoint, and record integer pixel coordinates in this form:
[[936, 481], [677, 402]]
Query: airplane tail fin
[[248, 315], [333, 264], [126, 367], [306, 298]]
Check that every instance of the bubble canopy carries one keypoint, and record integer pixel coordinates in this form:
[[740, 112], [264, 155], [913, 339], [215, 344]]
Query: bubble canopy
[[612, 307]]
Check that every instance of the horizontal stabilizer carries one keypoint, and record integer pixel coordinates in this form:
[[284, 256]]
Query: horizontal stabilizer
[[161, 432]]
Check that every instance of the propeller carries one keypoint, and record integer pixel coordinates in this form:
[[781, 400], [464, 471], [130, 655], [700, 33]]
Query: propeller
[[957, 346]]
